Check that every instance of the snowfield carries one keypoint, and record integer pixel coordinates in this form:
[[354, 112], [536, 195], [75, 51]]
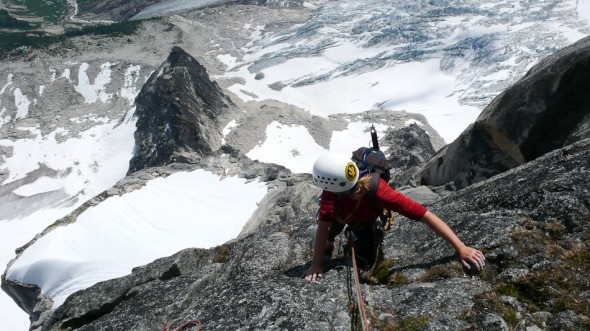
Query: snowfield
[[186, 209]]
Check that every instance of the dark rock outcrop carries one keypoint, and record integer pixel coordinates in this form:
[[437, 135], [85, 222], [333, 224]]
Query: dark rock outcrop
[[545, 110], [180, 113], [408, 149], [531, 221]]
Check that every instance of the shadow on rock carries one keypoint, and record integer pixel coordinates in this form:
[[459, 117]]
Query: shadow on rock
[[329, 264]]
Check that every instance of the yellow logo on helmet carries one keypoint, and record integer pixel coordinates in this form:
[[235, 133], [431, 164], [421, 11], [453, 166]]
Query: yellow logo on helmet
[[350, 171]]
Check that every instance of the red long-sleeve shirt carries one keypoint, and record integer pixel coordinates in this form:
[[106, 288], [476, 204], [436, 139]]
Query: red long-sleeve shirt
[[334, 206]]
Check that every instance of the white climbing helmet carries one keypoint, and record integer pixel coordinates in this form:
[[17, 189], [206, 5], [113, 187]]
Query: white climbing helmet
[[335, 172]]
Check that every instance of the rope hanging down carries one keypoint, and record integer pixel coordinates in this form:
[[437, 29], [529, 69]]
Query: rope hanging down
[[357, 306], [359, 296]]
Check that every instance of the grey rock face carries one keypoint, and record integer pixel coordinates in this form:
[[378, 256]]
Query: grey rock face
[[492, 322], [253, 282], [180, 111], [545, 110]]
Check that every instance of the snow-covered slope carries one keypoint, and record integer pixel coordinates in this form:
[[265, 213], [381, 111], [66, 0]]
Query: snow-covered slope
[[67, 128], [186, 209], [49, 171]]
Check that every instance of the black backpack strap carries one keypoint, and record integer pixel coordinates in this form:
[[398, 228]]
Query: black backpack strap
[[373, 187]]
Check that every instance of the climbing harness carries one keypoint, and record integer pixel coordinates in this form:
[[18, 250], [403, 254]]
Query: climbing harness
[[196, 323]]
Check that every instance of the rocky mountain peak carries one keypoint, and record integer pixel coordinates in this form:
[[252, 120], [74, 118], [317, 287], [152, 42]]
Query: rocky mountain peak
[[179, 113]]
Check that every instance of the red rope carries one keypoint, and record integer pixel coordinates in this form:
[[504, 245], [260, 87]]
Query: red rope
[[361, 304], [189, 323]]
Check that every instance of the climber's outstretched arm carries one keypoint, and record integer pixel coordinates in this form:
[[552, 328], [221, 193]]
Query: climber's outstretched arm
[[466, 254]]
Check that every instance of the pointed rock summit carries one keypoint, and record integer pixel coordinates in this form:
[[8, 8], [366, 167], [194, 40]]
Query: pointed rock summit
[[178, 113]]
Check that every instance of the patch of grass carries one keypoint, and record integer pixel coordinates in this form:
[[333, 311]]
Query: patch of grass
[[398, 279], [555, 229], [558, 288], [578, 255], [490, 302], [509, 315], [221, 254], [414, 323], [555, 286], [440, 272], [532, 242], [381, 272], [508, 290], [553, 289], [389, 323], [466, 315]]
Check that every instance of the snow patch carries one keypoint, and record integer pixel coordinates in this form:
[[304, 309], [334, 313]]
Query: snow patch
[[356, 134], [228, 129], [414, 87], [291, 143], [94, 161], [94, 92], [22, 104], [110, 239], [8, 83]]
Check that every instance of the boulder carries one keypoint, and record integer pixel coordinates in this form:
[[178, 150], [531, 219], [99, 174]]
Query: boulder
[[545, 110], [408, 148]]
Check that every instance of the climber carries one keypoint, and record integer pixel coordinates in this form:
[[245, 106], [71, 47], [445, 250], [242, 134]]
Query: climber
[[345, 200]]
